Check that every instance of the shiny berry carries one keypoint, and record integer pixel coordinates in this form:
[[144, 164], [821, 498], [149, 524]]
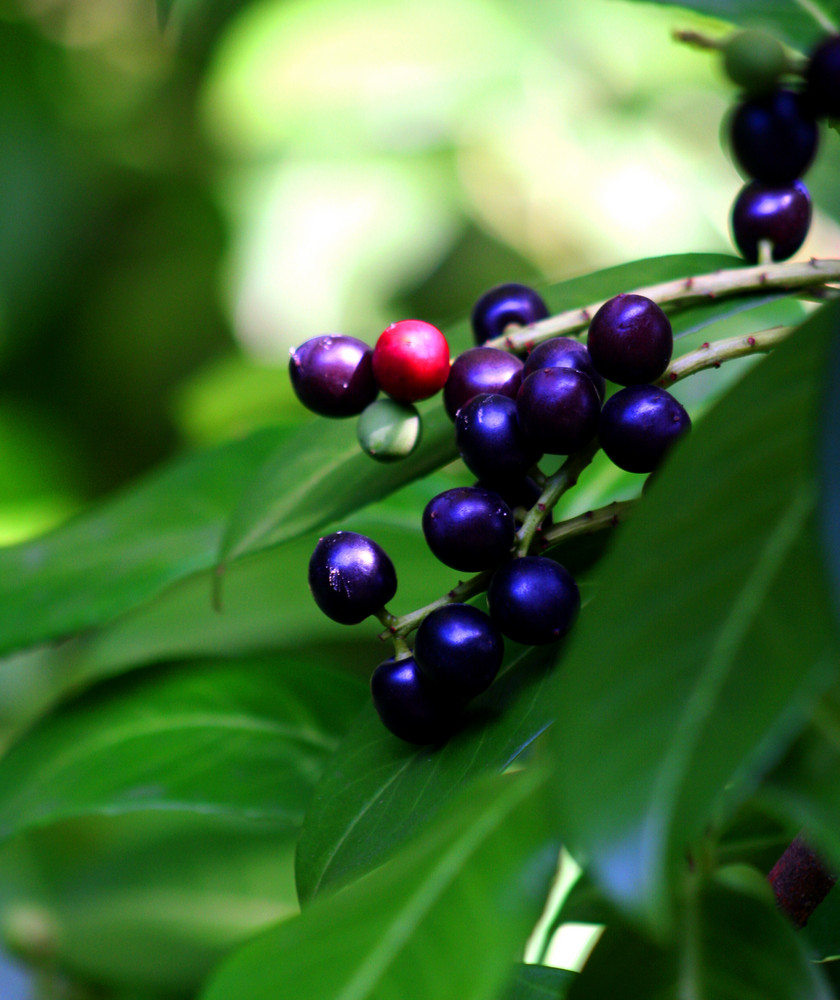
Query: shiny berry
[[780, 214], [411, 360], [505, 305], [481, 370], [822, 79], [564, 352], [630, 340], [410, 705], [638, 426], [333, 375], [490, 440], [774, 137], [460, 649], [468, 528], [754, 60], [533, 600], [388, 430], [558, 409], [350, 576]]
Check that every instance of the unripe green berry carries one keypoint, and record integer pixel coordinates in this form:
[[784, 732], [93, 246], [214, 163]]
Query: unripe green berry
[[754, 60], [388, 430]]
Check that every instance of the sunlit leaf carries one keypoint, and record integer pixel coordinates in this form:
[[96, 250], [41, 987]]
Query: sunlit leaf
[[706, 641], [242, 738], [442, 921], [377, 790]]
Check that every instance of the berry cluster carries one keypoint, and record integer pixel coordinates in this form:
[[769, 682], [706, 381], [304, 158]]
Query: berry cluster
[[774, 136], [508, 413]]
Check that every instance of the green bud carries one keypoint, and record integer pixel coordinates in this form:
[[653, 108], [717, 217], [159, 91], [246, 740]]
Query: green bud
[[754, 60], [388, 430]]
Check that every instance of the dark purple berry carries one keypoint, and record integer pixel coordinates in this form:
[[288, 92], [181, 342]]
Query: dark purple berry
[[564, 352], [558, 409], [468, 528], [410, 705], [490, 440], [780, 214], [518, 494], [351, 577], [333, 375], [630, 340], [533, 600], [481, 370], [774, 137], [638, 426], [460, 649], [503, 306], [822, 79]]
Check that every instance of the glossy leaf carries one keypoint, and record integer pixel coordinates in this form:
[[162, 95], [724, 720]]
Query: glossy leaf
[[128, 549], [538, 982], [708, 638], [729, 946], [377, 790], [241, 738], [441, 921], [798, 23]]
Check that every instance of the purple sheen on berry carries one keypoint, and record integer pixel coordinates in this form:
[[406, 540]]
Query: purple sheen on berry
[[564, 352], [558, 409], [780, 214], [468, 528], [822, 79], [774, 136], [481, 370], [333, 375], [533, 600], [639, 425], [350, 577], [490, 440], [410, 705], [460, 649], [630, 339], [503, 306]]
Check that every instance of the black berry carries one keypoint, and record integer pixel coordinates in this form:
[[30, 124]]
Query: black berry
[[822, 79], [564, 352], [333, 375], [774, 137], [780, 214], [481, 370], [410, 705], [350, 576], [468, 528], [490, 440], [558, 409], [630, 340], [638, 426], [460, 649], [503, 306], [533, 600]]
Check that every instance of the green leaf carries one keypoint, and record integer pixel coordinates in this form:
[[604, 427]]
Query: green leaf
[[707, 640], [730, 946], [242, 738], [538, 982], [151, 901], [442, 921], [830, 473], [353, 826], [127, 550], [800, 23]]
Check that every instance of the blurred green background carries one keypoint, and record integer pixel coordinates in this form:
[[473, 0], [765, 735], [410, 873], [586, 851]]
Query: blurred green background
[[180, 207]]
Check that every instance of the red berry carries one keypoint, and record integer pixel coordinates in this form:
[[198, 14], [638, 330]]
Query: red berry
[[411, 360]]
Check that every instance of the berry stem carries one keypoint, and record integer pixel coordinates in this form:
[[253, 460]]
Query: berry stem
[[593, 520], [786, 276], [555, 486], [712, 355]]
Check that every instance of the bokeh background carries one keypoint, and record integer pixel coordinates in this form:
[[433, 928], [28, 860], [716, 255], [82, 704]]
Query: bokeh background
[[180, 207]]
